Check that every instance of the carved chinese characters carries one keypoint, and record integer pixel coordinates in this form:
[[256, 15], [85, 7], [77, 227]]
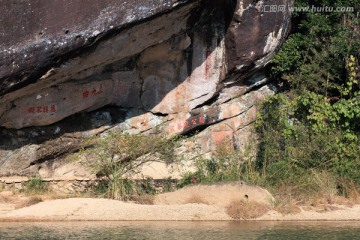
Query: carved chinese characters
[[42, 109], [187, 125]]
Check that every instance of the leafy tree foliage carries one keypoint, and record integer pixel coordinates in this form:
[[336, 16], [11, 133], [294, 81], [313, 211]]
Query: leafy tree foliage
[[315, 123]]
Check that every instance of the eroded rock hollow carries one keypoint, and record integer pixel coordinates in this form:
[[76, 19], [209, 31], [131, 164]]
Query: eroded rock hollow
[[73, 68]]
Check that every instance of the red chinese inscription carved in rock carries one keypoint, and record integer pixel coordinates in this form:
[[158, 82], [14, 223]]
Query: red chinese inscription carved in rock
[[192, 122], [92, 92], [42, 109]]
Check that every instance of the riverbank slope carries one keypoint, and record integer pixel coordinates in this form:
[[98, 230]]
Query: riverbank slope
[[195, 203]]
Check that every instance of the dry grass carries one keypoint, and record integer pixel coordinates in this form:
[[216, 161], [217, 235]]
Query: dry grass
[[240, 209], [352, 190], [328, 196], [286, 208], [195, 198], [29, 202], [143, 199], [6, 199], [318, 192]]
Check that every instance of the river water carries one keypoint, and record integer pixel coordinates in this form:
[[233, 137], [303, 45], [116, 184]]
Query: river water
[[180, 230]]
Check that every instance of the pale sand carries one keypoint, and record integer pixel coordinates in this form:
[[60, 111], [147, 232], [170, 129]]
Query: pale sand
[[86, 209], [181, 205]]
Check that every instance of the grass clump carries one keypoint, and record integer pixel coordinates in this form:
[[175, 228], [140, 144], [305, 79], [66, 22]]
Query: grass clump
[[29, 202], [35, 185], [144, 199], [116, 157], [240, 209], [225, 165], [5, 199]]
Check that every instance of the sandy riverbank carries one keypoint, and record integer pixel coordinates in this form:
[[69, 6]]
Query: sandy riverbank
[[197, 203], [88, 209]]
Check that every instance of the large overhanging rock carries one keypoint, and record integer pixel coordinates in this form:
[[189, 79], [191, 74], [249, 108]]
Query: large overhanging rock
[[176, 66], [165, 57]]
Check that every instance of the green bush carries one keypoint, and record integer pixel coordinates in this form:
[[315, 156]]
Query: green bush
[[226, 164], [314, 126], [116, 157], [35, 185], [305, 133]]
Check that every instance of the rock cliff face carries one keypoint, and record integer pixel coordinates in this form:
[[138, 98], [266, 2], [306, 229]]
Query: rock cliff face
[[75, 68]]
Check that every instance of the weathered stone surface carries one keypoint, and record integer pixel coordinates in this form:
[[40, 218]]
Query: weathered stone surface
[[37, 34], [106, 62], [234, 119], [14, 162], [173, 63], [254, 34], [176, 66]]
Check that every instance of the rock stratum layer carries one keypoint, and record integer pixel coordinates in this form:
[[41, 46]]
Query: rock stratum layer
[[72, 68]]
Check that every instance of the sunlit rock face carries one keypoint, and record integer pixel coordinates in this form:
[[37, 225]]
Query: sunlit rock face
[[75, 68]]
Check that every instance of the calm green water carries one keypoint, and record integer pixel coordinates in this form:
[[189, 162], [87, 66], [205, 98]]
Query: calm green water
[[181, 230]]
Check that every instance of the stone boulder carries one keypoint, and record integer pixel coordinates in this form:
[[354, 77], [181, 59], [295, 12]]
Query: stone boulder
[[216, 194]]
